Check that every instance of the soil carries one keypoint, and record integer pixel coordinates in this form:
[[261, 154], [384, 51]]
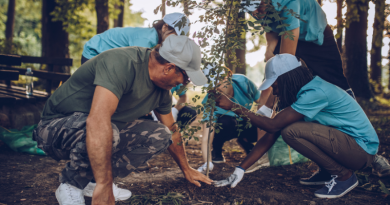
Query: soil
[[30, 179]]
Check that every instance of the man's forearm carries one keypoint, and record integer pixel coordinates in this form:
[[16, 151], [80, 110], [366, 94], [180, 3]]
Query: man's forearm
[[177, 151], [181, 102], [99, 148]]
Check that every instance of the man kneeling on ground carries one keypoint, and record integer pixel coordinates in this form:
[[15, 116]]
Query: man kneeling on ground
[[335, 132], [92, 118]]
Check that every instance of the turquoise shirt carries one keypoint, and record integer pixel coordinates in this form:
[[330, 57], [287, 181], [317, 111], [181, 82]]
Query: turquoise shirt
[[329, 105], [120, 37], [176, 89], [245, 93], [308, 10]]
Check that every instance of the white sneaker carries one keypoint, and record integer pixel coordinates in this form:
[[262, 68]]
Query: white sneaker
[[202, 169], [119, 194], [67, 194], [262, 162]]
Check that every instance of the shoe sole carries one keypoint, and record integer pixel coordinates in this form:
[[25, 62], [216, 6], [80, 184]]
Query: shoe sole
[[219, 162], [337, 196], [313, 183]]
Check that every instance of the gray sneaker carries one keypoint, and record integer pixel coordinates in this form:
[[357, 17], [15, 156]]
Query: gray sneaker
[[380, 166]]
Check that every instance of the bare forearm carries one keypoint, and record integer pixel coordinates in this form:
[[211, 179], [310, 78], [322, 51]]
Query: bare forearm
[[99, 148], [177, 151], [262, 146], [272, 41]]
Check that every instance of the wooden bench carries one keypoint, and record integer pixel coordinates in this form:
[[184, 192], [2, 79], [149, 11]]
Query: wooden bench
[[17, 109], [8, 62]]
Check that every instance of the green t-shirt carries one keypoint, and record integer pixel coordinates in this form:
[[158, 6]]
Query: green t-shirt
[[123, 71]]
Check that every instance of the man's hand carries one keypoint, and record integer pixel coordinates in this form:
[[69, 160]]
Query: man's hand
[[103, 194], [232, 180], [195, 177]]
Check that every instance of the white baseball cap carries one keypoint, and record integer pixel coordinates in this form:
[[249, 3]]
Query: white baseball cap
[[278, 65], [179, 21], [185, 54], [250, 7], [207, 70]]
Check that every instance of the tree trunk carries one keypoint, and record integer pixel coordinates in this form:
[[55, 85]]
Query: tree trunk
[[340, 26], [185, 8], [319, 2], [356, 48], [376, 47], [101, 7], [119, 21], [9, 28], [55, 40], [240, 53], [162, 8]]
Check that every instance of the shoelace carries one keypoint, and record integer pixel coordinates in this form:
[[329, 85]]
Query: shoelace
[[331, 183]]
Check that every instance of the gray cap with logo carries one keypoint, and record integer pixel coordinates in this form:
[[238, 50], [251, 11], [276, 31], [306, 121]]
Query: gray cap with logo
[[185, 54]]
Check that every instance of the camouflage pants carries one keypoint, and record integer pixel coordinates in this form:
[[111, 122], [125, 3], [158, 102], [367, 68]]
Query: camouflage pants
[[64, 139]]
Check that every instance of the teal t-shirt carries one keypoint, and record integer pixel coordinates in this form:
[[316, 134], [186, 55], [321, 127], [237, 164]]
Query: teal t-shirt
[[175, 89], [329, 105], [245, 93], [120, 37], [312, 25]]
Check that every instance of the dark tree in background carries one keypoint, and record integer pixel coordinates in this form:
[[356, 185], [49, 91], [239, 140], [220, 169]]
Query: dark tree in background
[[240, 53], [121, 7], [102, 14], [9, 28], [55, 40], [356, 48], [163, 3], [340, 25], [376, 46]]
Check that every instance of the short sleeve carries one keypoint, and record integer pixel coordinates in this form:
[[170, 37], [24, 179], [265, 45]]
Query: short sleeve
[[310, 102], [291, 19], [165, 104], [112, 76]]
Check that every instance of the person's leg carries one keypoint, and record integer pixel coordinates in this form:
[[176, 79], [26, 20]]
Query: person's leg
[[139, 141], [247, 137], [204, 148], [186, 116], [227, 132], [333, 150]]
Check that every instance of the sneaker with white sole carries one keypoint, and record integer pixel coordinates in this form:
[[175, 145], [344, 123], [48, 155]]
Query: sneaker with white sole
[[335, 188], [119, 194], [67, 194], [380, 166], [321, 177], [202, 169], [262, 162]]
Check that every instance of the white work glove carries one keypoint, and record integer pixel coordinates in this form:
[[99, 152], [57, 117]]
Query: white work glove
[[154, 116], [175, 113], [232, 180], [264, 110]]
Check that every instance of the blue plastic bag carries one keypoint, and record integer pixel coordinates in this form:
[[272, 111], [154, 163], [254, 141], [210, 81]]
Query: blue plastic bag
[[21, 140]]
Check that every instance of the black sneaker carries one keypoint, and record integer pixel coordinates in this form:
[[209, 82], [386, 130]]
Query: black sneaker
[[217, 158], [335, 188], [318, 178]]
